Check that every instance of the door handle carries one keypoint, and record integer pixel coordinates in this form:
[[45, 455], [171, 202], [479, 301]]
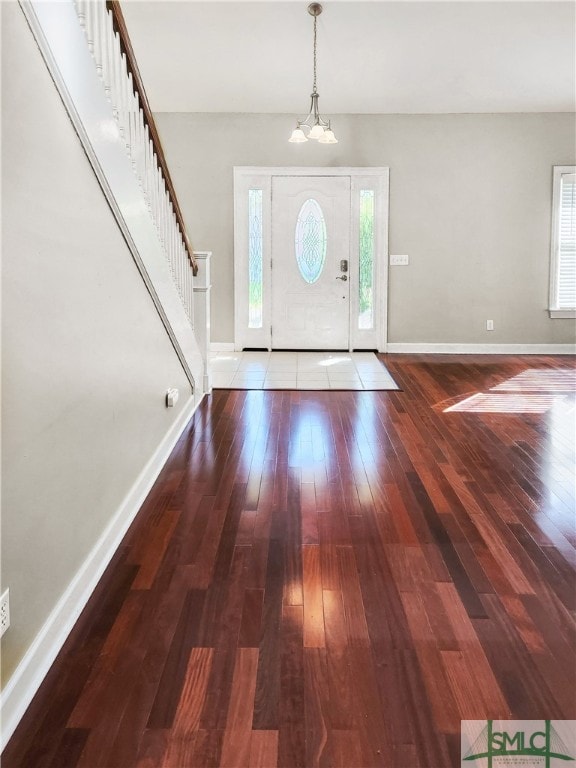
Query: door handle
[[342, 277]]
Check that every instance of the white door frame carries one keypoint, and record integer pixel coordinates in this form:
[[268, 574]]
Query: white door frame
[[246, 178]]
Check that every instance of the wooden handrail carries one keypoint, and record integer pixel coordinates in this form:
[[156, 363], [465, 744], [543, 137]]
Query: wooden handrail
[[126, 46]]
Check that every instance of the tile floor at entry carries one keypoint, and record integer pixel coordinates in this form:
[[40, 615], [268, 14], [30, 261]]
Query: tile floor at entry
[[299, 370]]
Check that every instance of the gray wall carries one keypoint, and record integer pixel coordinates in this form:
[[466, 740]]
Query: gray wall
[[470, 199], [86, 360]]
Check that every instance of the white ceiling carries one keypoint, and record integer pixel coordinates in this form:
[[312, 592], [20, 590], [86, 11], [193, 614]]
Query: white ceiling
[[373, 57]]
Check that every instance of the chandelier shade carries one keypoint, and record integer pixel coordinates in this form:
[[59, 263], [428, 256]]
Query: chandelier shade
[[298, 136], [313, 126]]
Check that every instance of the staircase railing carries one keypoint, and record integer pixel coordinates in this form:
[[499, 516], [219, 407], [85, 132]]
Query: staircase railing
[[109, 44]]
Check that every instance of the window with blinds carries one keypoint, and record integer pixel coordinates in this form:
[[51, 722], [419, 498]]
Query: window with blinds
[[563, 254]]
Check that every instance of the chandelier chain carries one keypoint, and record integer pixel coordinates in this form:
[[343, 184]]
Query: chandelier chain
[[315, 20]]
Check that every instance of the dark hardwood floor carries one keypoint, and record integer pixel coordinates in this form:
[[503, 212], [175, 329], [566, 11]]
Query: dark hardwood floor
[[333, 579]]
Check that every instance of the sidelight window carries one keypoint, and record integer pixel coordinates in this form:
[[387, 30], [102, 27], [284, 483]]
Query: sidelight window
[[366, 265], [255, 258]]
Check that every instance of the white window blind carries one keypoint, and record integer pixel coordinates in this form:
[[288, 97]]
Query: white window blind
[[567, 243], [563, 252]]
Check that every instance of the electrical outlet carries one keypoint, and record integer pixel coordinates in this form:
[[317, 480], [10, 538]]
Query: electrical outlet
[[4, 612], [489, 325], [172, 397]]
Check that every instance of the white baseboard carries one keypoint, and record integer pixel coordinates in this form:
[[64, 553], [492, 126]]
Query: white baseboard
[[452, 349], [28, 676], [481, 349]]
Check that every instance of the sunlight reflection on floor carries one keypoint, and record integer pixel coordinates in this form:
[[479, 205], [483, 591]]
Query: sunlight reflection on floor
[[505, 403], [538, 380], [532, 391]]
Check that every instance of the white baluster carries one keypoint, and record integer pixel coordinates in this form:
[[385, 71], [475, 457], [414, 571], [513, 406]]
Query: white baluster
[[136, 118], [152, 175], [161, 200], [165, 222], [160, 190], [176, 242], [190, 291], [106, 44], [132, 123], [139, 142], [113, 69], [142, 152], [134, 129], [156, 190], [98, 37], [172, 237], [169, 231], [81, 11], [191, 299], [176, 254], [176, 246], [151, 171], [184, 282], [185, 287], [152, 183], [182, 277], [115, 73], [90, 14], [161, 209], [124, 84], [177, 272], [129, 116], [144, 180], [137, 138], [146, 162], [177, 261], [164, 217]]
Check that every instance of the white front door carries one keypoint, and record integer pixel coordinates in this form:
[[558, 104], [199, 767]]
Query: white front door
[[292, 229], [310, 262]]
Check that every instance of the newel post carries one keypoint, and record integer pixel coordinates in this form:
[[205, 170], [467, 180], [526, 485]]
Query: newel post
[[202, 288]]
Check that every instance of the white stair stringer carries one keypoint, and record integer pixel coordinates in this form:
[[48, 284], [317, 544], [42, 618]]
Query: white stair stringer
[[127, 173]]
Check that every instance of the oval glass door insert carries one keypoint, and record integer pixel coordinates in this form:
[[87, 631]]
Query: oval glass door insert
[[310, 241]]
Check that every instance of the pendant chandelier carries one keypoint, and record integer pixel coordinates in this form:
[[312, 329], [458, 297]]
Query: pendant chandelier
[[313, 126]]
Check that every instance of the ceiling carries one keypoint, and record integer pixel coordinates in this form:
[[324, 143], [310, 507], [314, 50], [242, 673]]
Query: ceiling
[[373, 57]]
